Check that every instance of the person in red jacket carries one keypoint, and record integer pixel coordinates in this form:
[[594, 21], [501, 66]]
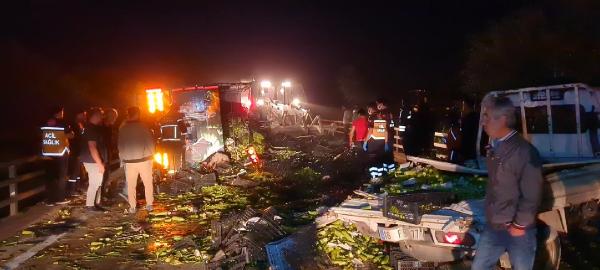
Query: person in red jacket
[[359, 129]]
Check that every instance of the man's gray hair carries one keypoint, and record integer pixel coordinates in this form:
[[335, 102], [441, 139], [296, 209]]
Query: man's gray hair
[[501, 106]]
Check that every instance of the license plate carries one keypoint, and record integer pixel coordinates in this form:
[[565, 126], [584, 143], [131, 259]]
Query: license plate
[[394, 234]]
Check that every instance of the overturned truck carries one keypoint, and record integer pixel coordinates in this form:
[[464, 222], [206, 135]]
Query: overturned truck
[[562, 123]]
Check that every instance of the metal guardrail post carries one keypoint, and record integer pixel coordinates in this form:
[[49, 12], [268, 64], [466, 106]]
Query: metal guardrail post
[[12, 188]]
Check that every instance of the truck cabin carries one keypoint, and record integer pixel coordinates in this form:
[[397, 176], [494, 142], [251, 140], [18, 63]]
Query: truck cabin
[[561, 121]]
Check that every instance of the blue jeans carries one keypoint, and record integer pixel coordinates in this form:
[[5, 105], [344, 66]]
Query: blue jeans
[[494, 242]]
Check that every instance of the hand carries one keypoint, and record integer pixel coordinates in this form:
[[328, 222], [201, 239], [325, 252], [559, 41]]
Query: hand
[[365, 146], [100, 168], [387, 147], [515, 232]]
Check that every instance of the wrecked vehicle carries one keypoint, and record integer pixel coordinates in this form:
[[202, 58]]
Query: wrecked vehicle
[[562, 123]]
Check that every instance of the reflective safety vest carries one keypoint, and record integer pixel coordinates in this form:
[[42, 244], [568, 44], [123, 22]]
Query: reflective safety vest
[[170, 132], [54, 142], [379, 129]]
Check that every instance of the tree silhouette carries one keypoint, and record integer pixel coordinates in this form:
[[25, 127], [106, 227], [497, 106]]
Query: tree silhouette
[[558, 42]]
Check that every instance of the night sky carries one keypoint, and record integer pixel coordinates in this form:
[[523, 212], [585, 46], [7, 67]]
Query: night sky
[[82, 53]]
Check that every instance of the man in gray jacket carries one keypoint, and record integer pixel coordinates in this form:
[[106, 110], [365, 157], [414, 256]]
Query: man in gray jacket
[[513, 191], [136, 150]]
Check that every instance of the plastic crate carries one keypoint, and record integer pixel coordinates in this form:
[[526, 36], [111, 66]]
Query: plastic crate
[[411, 206]]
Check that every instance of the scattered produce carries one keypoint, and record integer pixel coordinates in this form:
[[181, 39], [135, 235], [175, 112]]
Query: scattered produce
[[345, 247], [428, 178]]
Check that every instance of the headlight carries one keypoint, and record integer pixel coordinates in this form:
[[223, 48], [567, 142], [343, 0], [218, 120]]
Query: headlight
[[162, 159]]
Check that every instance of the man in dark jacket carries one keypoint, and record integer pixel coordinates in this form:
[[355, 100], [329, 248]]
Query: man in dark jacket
[[513, 191]]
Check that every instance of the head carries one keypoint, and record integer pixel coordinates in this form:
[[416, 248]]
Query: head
[[381, 104], [110, 116], [498, 116], [361, 112], [372, 109], [95, 115], [416, 108], [58, 112], [81, 117], [133, 114]]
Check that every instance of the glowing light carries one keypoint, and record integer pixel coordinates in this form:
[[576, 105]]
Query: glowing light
[[165, 160], [155, 100], [171, 172], [159, 102], [265, 84], [162, 159], [452, 238], [246, 102], [286, 84], [296, 102], [260, 102], [282, 90]]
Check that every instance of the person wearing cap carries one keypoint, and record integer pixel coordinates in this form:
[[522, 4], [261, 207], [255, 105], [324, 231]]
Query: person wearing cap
[[513, 192]]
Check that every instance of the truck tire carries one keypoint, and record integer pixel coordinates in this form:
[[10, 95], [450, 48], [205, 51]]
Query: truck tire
[[548, 249]]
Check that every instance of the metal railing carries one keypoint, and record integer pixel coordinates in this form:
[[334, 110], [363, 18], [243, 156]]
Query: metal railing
[[14, 180]]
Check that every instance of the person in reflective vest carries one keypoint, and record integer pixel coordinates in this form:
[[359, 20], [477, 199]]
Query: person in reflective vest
[[55, 144], [376, 146], [384, 113]]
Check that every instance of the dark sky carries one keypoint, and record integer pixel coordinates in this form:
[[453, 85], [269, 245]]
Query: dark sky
[[82, 47], [82, 53]]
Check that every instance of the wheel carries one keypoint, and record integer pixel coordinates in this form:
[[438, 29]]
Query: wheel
[[548, 249]]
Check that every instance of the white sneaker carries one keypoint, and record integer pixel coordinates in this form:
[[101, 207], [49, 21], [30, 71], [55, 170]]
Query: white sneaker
[[149, 208]]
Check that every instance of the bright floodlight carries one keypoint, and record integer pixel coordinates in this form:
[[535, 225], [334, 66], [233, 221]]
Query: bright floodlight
[[265, 84], [260, 102], [296, 102], [286, 84]]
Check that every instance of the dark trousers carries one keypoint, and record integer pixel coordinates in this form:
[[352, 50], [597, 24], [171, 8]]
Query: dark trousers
[[75, 174], [56, 186]]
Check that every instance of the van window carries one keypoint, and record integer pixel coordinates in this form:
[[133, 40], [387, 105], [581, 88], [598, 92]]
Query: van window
[[537, 119], [564, 119]]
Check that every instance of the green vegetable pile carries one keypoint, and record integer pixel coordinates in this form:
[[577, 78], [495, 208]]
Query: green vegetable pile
[[463, 186], [284, 154], [240, 136], [219, 200], [345, 247]]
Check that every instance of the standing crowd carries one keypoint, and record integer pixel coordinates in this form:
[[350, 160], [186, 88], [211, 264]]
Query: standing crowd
[[514, 189], [93, 143]]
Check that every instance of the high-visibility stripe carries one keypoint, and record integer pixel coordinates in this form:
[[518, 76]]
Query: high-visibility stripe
[[440, 145], [53, 128], [56, 154]]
